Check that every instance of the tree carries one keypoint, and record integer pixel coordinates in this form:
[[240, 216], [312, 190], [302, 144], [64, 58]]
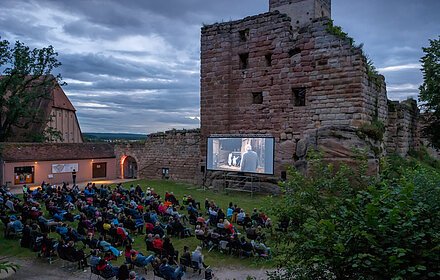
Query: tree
[[345, 225], [430, 90], [26, 81]]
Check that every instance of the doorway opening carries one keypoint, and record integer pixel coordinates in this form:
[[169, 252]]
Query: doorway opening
[[129, 167]]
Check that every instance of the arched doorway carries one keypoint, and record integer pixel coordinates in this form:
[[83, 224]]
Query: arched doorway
[[129, 167]]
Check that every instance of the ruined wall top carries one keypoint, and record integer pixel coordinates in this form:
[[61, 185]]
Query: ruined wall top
[[302, 12]]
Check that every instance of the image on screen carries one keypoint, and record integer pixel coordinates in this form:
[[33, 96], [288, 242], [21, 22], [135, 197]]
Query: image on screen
[[241, 154]]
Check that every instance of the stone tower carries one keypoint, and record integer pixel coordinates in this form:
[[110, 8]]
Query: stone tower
[[302, 12]]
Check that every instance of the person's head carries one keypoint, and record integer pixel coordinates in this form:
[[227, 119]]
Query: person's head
[[248, 148], [166, 240], [164, 261], [102, 261], [185, 248], [123, 269], [132, 275]]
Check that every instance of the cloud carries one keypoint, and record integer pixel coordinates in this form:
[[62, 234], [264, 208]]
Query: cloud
[[400, 67], [402, 87], [134, 65]]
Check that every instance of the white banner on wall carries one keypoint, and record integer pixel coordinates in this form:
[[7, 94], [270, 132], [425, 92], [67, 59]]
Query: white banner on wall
[[64, 167]]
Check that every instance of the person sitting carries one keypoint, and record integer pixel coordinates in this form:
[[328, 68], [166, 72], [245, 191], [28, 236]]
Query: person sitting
[[15, 226], [229, 228], [255, 215], [26, 240], [161, 209], [122, 234], [247, 222], [158, 230], [123, 273], [169, 251], [234, 244], [171, 198], [149, 227], [94, 258], [149, 242], [240, 217], [251, 233], [197, 259], [185, 259], [260, 248], [133, 276], [169, 272], [157, 244], [91, 242], [35, 213], [246, 248], [139, 224], [212, 216], [199, 231], [89, 191], [107, 247], [46, 224], [10, 204], [268, 223], [73, 254], [138, 259], [106, 269]]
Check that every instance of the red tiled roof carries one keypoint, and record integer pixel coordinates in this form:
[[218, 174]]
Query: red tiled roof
[[22, 152]]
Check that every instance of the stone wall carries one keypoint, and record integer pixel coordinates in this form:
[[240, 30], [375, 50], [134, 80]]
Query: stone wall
[[177, 150], [402, 127], [302, 12], [279, 65]]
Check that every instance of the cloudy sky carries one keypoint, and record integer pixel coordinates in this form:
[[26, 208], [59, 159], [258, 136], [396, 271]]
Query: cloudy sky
[[133, 65]]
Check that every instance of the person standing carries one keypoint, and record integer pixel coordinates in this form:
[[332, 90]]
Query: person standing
[[74, 177], [249, 161]]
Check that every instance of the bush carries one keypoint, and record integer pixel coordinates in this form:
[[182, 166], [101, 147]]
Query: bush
[[386, 227], [374, 130]]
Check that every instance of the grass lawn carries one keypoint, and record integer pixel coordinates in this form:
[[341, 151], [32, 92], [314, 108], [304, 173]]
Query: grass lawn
[[214, 258]]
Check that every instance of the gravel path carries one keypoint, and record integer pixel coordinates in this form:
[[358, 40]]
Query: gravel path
[[38, 269]]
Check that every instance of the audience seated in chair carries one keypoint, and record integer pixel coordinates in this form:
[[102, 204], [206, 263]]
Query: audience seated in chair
[[169, 272]]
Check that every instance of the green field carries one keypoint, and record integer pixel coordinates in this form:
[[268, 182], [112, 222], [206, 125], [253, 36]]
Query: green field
[[214, 258]]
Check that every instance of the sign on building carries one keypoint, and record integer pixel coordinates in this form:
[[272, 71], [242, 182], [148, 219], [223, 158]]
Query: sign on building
[[64, 167]]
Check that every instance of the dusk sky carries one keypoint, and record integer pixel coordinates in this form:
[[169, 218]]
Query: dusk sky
[[133, 66]]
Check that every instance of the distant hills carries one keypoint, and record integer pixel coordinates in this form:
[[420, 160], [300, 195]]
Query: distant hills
[[113, 137]]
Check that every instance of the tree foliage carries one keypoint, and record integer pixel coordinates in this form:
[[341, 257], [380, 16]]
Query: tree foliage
[[346, 225], [430, 90], [26, 80]]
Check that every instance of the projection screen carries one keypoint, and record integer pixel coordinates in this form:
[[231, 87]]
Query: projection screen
[[247, 154]]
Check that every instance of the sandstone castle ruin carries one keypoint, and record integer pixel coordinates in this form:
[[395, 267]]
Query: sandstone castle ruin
[[288, 73]]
